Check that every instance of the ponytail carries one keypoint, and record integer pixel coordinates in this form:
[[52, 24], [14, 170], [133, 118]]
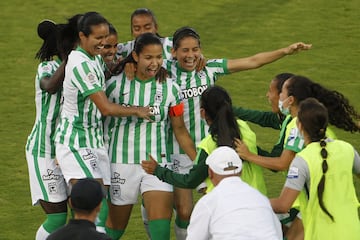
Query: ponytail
[[218, 107], [321, 184]]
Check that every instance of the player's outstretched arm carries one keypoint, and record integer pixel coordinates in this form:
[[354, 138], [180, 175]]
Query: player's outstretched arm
[[260, 59]]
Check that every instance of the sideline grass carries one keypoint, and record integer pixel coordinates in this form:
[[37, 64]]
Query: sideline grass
[[228, 28]]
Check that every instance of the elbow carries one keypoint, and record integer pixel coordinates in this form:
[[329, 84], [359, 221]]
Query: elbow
[[51, 90], [48, 88], [106, 111]]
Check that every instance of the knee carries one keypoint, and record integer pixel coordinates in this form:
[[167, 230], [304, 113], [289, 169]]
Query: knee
[[183, 211]]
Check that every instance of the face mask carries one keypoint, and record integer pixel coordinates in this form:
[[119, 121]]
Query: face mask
[[283, 110]]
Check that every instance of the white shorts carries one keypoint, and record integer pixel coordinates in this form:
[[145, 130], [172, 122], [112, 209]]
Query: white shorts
[[181, 163], [83, 163], [46, 180], [128, 180]]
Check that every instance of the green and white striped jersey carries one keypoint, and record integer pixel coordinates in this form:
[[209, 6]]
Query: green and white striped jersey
[[132, 139], [124, 49], [40, 141], [192, 85], [80, 122]]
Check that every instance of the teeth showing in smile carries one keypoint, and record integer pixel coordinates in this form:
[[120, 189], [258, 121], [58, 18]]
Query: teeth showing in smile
[[152, 71], [189, 62]]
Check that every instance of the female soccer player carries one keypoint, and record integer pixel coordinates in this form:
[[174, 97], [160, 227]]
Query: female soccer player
[[294, 91], [47, 184], [324, 169], [110, 47], [216, 110], [274, 119], [187, 55], [143, 20], [133, 140], [80, 149]]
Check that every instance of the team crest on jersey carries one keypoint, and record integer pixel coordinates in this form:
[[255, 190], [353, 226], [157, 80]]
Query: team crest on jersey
[[91, 77], [158, 97], [46, 68], [201, 74]]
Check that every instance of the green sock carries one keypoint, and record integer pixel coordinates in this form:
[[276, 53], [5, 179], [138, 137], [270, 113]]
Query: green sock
[[101, 220], [115, 234], [54, 221], [159, 229], [181, 223]]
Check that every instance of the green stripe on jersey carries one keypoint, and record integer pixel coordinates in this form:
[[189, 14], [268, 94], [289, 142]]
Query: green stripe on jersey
[[132, 139], [47, 113], [192, 85], [84, 76]]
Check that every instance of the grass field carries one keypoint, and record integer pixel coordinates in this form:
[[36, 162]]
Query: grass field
[[228, 28]]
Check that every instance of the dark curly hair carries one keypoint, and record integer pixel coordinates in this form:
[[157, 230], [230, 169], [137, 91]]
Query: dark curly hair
[[341, 113]]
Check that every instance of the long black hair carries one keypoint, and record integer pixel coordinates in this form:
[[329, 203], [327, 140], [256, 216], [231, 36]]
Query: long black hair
[[280, 80], [341, 113], [88, 20], [68, 36], [313, 117], [218, 108], [47, 30]]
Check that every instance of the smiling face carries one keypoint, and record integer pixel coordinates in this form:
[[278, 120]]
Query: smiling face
[[110, 48], [142, 23], [94, 42], [188, 53], [149, 61]]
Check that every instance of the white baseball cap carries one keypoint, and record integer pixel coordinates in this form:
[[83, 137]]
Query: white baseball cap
[[224, 161]]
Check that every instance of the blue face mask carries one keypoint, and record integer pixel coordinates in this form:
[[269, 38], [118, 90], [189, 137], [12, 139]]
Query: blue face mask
[[283, 110]]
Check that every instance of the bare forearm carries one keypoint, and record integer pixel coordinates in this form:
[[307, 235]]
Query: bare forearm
[[273, 163], [54, 83], [276, 206], [108, 108], [186, 143], [263, 58]]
